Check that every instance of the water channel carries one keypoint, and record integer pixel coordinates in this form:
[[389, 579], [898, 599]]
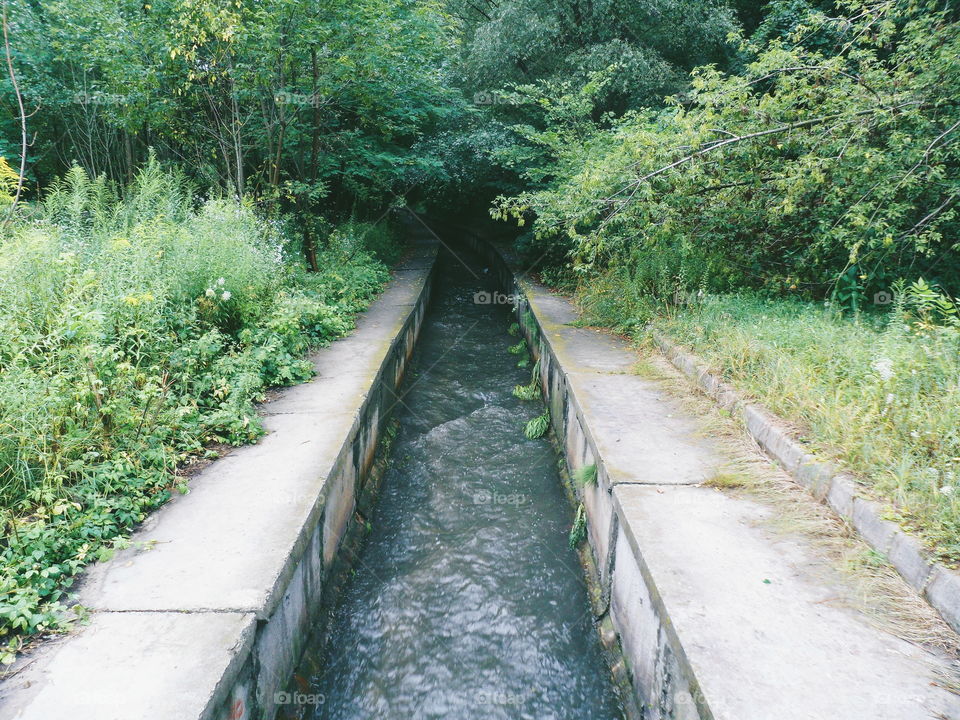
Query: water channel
[[465, 600]]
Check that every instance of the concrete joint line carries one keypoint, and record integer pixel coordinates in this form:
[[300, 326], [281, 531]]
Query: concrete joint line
[[651, 483]]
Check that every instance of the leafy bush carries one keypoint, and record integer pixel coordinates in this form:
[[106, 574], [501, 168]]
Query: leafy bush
[[136, 329], [824, 173], [537, 427]]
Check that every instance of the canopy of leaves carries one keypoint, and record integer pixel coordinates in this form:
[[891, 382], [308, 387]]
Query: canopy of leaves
[[810, 170], [289, 99], [652, 43]]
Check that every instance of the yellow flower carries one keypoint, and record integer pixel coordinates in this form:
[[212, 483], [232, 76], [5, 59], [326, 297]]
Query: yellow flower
[[119, 243], [135, 300]]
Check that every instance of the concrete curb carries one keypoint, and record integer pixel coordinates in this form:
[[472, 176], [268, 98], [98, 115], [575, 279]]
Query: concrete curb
[[937, 583]]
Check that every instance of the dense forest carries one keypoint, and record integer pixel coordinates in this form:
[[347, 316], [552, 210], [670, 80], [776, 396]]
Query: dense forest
[[198, 192]]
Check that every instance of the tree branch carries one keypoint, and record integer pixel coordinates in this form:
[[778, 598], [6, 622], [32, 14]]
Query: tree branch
[[763, 133], [23, 118]]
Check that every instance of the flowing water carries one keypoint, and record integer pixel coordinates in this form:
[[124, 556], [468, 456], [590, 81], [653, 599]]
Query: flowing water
[[466, 600]]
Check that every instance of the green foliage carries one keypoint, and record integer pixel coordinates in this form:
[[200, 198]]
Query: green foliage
[[578, 532], [650, 43], [378, 239], [527, 392], [530, 391], [518, 349], [538, 426], [306, 106], [138, 328], [826, 174], [586, 476]]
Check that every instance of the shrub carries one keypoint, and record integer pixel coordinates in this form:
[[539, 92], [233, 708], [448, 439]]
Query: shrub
[[135, 329], [816, 173]]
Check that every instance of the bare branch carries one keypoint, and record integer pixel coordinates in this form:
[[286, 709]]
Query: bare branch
[[23, 118]]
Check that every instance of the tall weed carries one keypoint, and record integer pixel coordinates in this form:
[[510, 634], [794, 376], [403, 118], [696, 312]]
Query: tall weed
[[136, 328]]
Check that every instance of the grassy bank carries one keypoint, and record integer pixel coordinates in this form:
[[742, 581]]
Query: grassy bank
[[878, 393], [135, 331]]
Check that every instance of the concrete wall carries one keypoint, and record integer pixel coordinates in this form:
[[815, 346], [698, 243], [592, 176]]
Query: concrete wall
[[206, 615], [278, 643], [662, 686]]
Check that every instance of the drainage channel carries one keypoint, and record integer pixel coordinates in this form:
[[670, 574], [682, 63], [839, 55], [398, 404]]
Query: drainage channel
[[464, 599]]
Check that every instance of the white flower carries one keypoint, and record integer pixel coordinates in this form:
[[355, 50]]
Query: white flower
[[946, 490], [226, 295], [883, 367], [209, 292], [890, 398], [220, 281]]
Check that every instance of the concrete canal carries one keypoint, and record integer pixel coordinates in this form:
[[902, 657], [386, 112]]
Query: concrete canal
[[465, 599]]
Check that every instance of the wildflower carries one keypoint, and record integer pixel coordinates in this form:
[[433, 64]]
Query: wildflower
[[226, 295], [946, 490], [883, 367], [210, 292], [890, 398], [220, 281]]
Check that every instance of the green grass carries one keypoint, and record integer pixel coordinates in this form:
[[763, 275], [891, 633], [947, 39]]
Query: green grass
[[537, 427], [880, 395], [135, 331], [531, 391], [585, 476]]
